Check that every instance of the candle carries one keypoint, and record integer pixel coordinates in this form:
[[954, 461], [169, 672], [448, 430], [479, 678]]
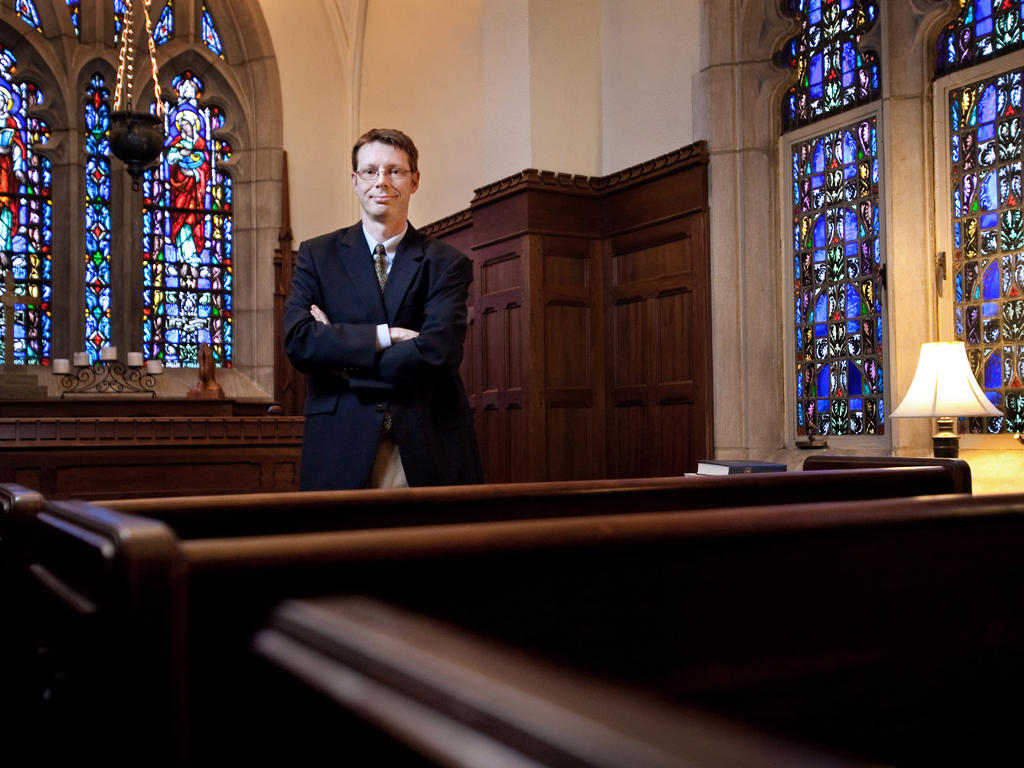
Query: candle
[[134, 359], [81, 359], [108, 353], [61, 365], [154, 367]]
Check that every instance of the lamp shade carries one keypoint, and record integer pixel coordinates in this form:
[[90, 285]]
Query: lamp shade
[[944, 385]]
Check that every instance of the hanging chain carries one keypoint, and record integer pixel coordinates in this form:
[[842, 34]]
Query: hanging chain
[[126, 59], [152, 59], [125, 67]]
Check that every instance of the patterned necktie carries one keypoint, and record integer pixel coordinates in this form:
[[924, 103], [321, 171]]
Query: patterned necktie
[[380, 264]]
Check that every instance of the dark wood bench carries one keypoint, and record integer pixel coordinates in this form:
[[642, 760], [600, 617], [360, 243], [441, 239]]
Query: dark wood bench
[[452, 698], [891, 629], [958, 468], [257, 514]]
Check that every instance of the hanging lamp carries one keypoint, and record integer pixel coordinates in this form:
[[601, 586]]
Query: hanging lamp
[[136, 138]]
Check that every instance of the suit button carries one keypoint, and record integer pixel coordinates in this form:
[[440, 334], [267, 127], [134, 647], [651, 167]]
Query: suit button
[[381, 407]]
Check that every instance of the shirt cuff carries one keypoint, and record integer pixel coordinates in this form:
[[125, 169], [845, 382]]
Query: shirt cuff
[[383, 337]]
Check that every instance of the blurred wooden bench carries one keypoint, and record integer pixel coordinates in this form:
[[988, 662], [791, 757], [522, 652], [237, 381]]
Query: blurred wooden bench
[[889, 629]]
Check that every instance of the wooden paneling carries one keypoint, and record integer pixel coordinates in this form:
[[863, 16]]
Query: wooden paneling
[[90, 458], [590, 331]]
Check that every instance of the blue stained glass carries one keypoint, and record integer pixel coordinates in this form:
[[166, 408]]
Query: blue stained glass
[[819, 157], [991, 281], [994, 371], [823, 384], [850, 228], [163, 30], [986, 132], [990, 308], [26, 9], [210, 36], [817, 181], [819, 232], [849, 64], [983, 28], [849, 148], [856, 403], [815, 70], [820, 314], [852, 301]]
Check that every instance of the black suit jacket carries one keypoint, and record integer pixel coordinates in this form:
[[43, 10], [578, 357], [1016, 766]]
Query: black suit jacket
[[350, 384]]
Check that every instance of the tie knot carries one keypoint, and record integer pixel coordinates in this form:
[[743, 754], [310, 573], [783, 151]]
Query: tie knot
[[379, 250]]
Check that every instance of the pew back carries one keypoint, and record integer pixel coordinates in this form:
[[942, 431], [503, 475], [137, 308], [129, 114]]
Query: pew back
[[867, 627], [259, 514]]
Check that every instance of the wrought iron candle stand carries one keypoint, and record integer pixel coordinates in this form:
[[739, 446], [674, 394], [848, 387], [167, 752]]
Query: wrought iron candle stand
[[108, 377]]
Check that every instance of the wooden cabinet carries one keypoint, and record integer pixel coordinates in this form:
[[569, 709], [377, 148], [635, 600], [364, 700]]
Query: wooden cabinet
[[589, 348]]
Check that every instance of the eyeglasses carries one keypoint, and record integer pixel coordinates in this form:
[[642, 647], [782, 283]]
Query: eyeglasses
[[392, 174]]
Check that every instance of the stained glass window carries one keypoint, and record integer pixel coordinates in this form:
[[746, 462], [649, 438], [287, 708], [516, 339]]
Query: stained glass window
[[187, 236], [985, 156], [73, 10], [97, 218], [27, 11], [833, 73], [210, 36], [163, 31], [982, 30], [25, 220], [837, 269]]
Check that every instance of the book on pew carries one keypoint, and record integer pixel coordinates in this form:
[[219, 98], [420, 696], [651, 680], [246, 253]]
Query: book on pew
[[736, 466]]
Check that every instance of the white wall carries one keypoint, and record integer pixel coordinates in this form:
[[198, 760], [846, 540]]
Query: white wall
[[650, 51], [486, 88]]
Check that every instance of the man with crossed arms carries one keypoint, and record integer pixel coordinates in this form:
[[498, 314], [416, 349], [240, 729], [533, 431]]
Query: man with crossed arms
[[376, 318]]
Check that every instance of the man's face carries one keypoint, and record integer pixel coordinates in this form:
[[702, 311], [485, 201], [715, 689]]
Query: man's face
[[385, 198]]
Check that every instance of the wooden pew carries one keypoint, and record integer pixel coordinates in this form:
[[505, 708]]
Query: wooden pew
[[958, 468], [460, 700], [889, 629], [257, 514]]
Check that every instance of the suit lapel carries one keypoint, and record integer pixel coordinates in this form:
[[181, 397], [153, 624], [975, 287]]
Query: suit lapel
[[403, 270], [358, 263]]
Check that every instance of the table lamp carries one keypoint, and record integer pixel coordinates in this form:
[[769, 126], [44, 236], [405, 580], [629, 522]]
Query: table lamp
[[944, 388]]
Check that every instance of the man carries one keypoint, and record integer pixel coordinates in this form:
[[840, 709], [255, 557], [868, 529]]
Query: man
[[385, 406]]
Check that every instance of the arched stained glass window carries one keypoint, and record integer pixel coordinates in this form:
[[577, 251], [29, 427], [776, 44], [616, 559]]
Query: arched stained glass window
[[210, 36], [833, 74], [982, 30], [163, 30], [985, 156], [73, 10], [25, 220], [97, 218], [837, 255], [187, 234]]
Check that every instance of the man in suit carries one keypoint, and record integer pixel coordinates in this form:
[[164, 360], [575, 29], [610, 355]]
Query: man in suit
[[376, 318]]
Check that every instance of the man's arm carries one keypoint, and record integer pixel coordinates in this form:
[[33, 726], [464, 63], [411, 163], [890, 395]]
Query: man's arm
[[438, 343], [312, 345]]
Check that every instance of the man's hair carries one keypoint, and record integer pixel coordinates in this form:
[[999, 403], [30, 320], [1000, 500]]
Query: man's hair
[[390, 136]]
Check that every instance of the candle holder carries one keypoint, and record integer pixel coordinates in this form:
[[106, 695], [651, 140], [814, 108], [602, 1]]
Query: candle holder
[[108, 378]]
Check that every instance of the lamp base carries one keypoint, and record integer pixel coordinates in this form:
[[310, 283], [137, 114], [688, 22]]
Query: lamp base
[[946, 442], [945, 446]]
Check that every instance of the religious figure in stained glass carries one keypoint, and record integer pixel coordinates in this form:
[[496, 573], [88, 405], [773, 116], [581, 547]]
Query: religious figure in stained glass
[[986, 155], [833, 73], [837, 283], [982, 29], [187, 230], [25, 218]]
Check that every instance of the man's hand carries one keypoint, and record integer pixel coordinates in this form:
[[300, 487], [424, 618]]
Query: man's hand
[[402, 334], [318, 314]]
